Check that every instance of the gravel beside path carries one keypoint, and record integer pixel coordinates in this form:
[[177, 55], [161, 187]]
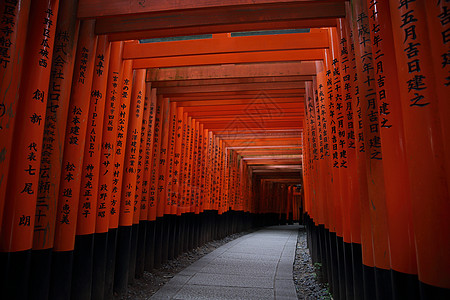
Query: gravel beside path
[[305, 278]]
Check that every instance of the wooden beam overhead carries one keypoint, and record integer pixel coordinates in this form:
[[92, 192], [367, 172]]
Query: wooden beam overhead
[[229, 81], [227, 103], [296, 85], [212, 29], [231, 71], [102, 8], [263, 96], [119, 17], [190, 102], [217, 45], [273, 161], [262, 143], [242, 107], [229, 58], [231, 113]]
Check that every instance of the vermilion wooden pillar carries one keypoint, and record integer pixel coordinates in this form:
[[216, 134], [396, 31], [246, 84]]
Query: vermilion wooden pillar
[[24, 152], [84, 259], [153, 200], [196, 170], [162, 186], [438, 34], [424, 143], [175, 197], [353, 219], [202, 164], [125, 110], [327, 201], [143, 174], [342, 110], [10, 73], [155, 159], [146, 185], [366, 232], [72, 162], [107, 157], [170, 200], [208, 169], [193, 185], [314, 150], [221, 176], [181, 211], [162, 176], [334, 202], [365, 69], [187, 181], [398, 194], [129, 218], [317, 153], [178, 160], [130, 164], [66, 39]]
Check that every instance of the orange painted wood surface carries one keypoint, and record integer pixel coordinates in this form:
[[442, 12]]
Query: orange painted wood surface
[[109, 135], [75, 139], [228, 58], [55, 122], [294, 41], [10, 74]]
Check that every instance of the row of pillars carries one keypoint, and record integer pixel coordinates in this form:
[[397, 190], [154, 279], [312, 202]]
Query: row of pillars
[[376, 152], [102, 177]]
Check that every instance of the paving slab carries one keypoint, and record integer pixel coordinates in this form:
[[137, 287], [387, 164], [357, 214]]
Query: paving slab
[[255, 266]]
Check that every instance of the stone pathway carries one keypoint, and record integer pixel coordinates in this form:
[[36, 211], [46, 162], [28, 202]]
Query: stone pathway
[[255, 266]]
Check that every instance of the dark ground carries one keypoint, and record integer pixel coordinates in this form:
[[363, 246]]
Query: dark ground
[[305, 278]]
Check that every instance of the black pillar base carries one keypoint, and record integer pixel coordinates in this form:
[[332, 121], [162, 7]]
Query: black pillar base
[[341, 267], [158, 242], [15, 274], [405, 286], [358, 282], [133, 253], [99, 266], [150, 246], [383, 284], [110, 262], [166, 226], [348, 269], [61, 275], [141, 248], [172, 236], [83, 259], [122, 259], [429, 292], [369, 283], [41, 262]]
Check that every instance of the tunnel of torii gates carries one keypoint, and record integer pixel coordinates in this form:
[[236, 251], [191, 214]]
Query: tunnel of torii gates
[[119, 151]]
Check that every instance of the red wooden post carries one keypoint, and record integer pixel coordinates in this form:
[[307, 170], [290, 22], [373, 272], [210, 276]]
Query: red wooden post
[[67, 29], [119, 168], [425, 143], [126, 240], [125, 88], [153, 200], [23, 154], [373, 154], [85, 262], [72, 162], [107, 157], [16, 12], [399, 218], [143, 173]]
